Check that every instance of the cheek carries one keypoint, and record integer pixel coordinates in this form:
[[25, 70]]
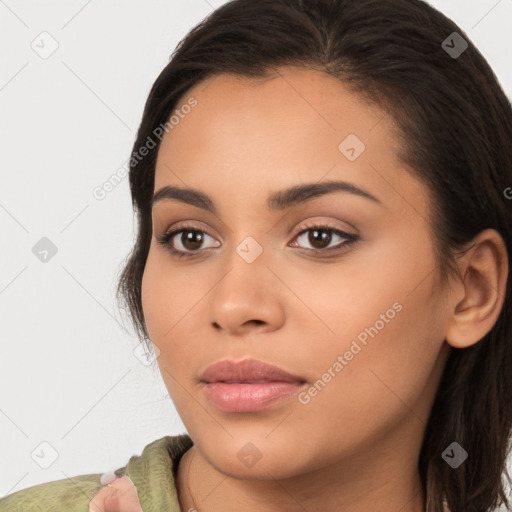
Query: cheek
[[171, 300], [159, 303], [166, 297], [153, 298], [386, 323], [387, 380]]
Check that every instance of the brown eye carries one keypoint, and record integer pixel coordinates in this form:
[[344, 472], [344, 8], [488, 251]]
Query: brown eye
[[185, 241], [320, 238], [190, 240]]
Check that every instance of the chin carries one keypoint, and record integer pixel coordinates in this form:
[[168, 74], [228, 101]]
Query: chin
[[258, 460]]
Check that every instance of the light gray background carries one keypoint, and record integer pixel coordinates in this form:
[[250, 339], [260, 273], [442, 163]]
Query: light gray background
[[68, 373]]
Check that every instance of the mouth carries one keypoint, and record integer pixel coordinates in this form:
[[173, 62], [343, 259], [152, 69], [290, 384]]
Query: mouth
[[249, 381], [249, 396], [248, 385], [247, 370]]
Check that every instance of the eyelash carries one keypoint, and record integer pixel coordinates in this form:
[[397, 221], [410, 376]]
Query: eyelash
[[342, 246]]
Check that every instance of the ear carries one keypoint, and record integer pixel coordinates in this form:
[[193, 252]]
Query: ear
[[481, 294]]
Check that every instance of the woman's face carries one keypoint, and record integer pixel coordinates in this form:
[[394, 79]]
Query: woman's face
[[362, 322]]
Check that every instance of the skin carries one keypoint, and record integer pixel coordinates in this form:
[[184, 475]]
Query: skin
[[121, 496], [356, 443]]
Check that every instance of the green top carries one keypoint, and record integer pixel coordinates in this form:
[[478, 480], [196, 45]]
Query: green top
[[152, 473]]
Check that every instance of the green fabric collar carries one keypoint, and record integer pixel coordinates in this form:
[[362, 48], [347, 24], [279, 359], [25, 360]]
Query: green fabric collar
[[153, 473]]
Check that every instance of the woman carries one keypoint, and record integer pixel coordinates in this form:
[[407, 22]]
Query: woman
[[323, 194]]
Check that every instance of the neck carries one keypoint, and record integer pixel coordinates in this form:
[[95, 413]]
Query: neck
[[357, 485]]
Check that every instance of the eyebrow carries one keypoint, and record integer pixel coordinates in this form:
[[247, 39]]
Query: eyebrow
[[280, 200]]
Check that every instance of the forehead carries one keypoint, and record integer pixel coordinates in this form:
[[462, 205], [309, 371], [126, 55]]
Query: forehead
[[286, 100], [268, 133]]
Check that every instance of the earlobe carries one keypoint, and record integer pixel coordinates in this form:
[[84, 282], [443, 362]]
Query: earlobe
[[485, 270]]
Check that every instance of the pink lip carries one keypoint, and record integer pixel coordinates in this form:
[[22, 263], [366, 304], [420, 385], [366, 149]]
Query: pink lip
[[247, 385], [246, 370], [248, 397]]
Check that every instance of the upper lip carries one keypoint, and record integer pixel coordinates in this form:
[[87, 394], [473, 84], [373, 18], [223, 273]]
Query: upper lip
[[246, 370]]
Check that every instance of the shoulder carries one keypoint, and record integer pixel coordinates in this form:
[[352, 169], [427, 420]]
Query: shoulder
[[70, 494], [152, 472]]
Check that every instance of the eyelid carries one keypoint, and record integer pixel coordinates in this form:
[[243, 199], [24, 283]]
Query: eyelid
[[311, 224], [187, 225], [350, 238], [304, 226]]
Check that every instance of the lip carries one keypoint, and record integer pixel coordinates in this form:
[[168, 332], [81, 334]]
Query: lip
[[248, 385], [247, 370]]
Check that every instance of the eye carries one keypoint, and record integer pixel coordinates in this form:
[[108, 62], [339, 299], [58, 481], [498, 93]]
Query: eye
[[321, 235], [188, 243]]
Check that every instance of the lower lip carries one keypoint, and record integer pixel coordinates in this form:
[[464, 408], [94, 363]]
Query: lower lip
[[247, 396]]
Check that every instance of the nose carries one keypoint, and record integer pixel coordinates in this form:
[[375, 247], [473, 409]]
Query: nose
[[247, 298]]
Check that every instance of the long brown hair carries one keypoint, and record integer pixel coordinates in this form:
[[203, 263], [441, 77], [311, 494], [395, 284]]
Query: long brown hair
[[456, 131]]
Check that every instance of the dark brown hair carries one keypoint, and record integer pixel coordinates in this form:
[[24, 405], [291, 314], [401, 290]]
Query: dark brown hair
[[455, 131]]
